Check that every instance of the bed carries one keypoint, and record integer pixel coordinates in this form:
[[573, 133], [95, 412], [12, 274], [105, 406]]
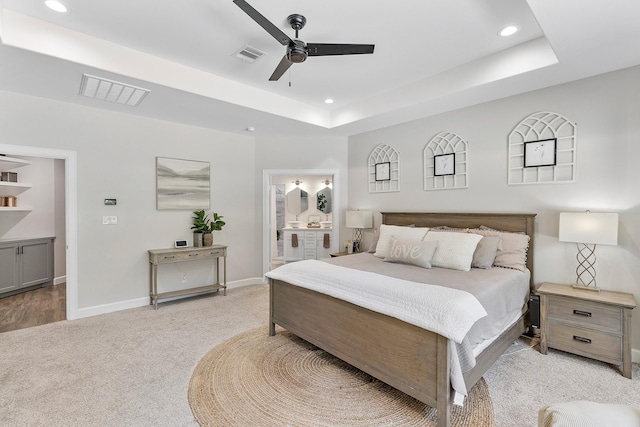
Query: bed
[[412, 359]]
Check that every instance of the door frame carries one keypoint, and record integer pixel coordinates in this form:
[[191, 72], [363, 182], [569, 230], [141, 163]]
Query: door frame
[[268, 222], [71, 212]]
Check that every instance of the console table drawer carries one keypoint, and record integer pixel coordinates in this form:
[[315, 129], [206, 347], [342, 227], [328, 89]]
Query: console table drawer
[[213, 253], [585, 342], [585, 313]]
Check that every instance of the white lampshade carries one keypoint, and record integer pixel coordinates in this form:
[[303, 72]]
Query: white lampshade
[[359, 219], [589, 227]]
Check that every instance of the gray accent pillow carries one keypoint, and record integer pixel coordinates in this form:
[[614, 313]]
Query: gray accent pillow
[[512, 250], [409, 251], [485, 252]]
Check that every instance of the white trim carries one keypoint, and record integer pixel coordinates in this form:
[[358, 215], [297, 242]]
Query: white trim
[[59, 280], [71, 212], [266, 211], [635, 355], [144, 301]]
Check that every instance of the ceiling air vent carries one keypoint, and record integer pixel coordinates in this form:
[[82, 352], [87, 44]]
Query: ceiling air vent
[[111, 91], [249, 54]]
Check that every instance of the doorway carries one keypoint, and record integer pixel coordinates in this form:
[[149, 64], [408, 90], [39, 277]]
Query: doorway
[[273, 212], [70, 214]]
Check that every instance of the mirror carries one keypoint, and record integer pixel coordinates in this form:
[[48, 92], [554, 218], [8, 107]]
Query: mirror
[[297, 201], [324, 200]]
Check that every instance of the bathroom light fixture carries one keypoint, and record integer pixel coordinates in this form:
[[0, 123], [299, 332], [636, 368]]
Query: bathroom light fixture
[[326, 182], [509, 30], [587, 230], [55, 5], [296, 182]]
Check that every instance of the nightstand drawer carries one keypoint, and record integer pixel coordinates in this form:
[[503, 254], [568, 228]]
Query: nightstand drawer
[[585, 342], [585, 313]]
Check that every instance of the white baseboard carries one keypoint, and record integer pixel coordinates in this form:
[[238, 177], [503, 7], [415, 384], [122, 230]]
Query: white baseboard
[[635, 355], [144, 301], [58, 280]]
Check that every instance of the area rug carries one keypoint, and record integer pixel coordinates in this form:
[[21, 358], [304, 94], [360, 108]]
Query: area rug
[[256, 380]]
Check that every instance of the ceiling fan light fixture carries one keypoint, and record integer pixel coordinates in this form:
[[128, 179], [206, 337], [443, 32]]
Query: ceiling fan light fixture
[[297, 52], [507, 31]]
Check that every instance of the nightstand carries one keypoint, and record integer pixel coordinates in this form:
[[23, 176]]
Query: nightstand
[[587, 323]]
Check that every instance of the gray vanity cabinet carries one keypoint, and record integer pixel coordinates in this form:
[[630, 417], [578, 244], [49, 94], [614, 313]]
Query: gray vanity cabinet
[[25, 263]]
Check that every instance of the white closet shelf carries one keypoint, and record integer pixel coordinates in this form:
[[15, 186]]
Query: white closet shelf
[[12, 188]]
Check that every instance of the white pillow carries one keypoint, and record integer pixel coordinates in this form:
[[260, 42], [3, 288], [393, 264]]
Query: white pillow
[[455, 250], [415, 252], [386, 231]]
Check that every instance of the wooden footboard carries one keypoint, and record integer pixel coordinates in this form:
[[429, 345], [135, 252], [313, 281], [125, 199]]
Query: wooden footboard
[[409, 358]]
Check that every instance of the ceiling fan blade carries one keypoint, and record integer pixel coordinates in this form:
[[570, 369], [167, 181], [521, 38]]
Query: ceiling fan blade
[[264, 22], [324, 49], [282, 67]]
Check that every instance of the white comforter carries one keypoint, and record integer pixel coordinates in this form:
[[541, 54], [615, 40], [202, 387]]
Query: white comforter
[[448, 312]]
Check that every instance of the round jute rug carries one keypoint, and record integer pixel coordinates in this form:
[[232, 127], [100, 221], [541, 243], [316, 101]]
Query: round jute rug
[[256, 380]]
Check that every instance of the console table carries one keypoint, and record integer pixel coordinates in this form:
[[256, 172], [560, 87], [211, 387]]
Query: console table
[[168, 256]]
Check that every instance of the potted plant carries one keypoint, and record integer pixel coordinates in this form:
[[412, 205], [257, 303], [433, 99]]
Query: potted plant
[[200, 227], [215, 224]]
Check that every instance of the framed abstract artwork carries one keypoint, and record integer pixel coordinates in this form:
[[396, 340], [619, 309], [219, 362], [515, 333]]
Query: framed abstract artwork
[[540, 153], [444, 164], [182, 184], [383, 172]]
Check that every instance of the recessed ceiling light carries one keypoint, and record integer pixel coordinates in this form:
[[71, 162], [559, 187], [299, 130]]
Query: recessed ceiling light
[[328, 101], [55, 5], [508, 30]]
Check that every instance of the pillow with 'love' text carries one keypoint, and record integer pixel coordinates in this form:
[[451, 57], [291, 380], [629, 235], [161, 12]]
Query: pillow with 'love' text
[[408, 251]]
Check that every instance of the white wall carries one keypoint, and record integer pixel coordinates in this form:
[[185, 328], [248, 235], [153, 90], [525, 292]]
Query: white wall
[[116, 156], [607, 112]]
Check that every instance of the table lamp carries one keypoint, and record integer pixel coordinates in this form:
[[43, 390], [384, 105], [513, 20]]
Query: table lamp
[[588, 229], [359, 220]]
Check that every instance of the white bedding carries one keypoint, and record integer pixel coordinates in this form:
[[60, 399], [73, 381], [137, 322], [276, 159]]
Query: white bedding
[[448, 312]]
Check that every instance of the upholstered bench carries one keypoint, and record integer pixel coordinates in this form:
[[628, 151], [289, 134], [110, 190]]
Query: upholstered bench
[[588, 414]]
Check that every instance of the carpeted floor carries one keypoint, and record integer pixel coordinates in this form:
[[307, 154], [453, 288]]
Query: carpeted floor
[[132, 368]]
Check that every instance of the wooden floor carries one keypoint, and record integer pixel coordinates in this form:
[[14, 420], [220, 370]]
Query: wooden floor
[[33, 308]]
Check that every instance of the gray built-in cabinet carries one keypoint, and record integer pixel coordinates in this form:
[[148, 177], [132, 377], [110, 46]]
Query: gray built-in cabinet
[[25, 263]]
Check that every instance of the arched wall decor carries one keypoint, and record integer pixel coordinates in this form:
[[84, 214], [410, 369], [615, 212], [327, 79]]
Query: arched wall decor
[[384, 169], [559, 134], [446, 162]]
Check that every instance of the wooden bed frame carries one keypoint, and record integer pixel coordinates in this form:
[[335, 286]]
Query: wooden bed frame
[[409, 358]]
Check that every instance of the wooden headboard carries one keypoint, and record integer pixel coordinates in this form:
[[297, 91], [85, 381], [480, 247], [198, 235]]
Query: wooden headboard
[[513, 222]]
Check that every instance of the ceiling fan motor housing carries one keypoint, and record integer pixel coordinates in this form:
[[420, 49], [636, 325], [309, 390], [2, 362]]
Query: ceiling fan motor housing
[[297, 52]]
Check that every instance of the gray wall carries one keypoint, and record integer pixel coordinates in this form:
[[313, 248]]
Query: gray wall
[[116, 159], [607, 112]]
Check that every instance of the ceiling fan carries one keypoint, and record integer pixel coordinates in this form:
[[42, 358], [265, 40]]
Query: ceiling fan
[[297, 50]]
